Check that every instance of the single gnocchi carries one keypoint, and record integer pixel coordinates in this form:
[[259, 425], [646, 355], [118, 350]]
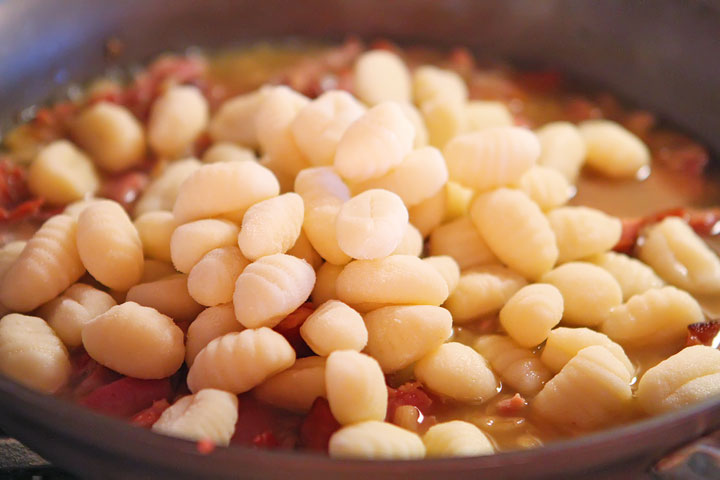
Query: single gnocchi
[[155, 230], [61, 174], [447, 267], [334, 326], [562, 149], [234, 121], [613, 150], [355, 387], [371, 224], [228, 152], [633, 276], [589, 292], [656, 317], [591, 390], [546, 187], [271, 226], [516, 231], [399, 336], [210, 414], [109, 245], [492, 158], [240, 361], [48, 264], [456, 439], [111, 135], [177, 118], [32, 354], [376, 440], [690, 376], [458, 372], [270, 288], [162, 191], [379, 76], [681, 257], [136, 341], [582, 232], [227, 188], [530, 314], [394, 280]]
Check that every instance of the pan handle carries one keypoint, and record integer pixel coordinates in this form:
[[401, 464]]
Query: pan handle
[[699, 460]]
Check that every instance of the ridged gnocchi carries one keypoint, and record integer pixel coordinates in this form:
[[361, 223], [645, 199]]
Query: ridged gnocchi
[[562, 149], [492, 158], [32, 354], [564, 343], [399, 336], [240, 361], [681, 257], [546, 187], [690, 376], [582, 232], [376, 440], [271, 226], [456, 439], [632, 275], [48, 264], [591, 390], [210, 414], [656, 317], [516, 231], [371, 224], [270, 288]]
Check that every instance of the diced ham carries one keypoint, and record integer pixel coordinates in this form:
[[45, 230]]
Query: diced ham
[[127, 396], [150, 415], [125, 188], [410, 393], [704, 333], [511, 406], [289, 328], [318, 426]]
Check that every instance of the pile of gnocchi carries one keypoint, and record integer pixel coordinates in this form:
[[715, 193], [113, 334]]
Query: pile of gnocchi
[[322, 249]]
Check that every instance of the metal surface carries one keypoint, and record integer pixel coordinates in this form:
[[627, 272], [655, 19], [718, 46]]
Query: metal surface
[[662, 54]]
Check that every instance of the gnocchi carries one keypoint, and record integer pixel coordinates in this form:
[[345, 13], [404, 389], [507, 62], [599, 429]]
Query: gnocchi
[[271, 226], [516, 366], [136, 341], [210, 324], [240, 361], [582, 232], [460, 240], [613, 150], [192, 241], [177, 118], [168, 295], [62, 174], [296, 388], [212, 280], [376, 440], [456, 439], [334, 326], [355, 387], [380, 76], [530, 314]]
